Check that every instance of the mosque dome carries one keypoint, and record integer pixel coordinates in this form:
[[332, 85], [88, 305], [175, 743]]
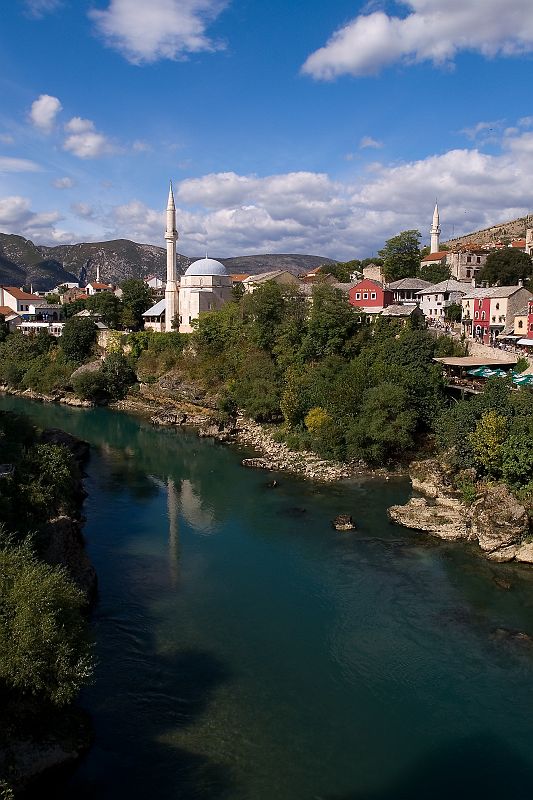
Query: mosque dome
[[206, 266]]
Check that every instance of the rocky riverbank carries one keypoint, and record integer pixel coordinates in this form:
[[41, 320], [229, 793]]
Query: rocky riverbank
[[64, 398], [495, 521], [163, 408]]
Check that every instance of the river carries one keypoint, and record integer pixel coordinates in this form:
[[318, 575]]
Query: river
[[248, 651]]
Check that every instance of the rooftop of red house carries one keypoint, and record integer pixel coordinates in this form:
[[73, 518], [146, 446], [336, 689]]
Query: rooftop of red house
[[19, 294], [435, 256]]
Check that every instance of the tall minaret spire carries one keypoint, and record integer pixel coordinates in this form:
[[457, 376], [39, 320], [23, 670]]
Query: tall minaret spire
[[171, 236], [435, 230]]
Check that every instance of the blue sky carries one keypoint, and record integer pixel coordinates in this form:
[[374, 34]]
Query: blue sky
[[302, 127]]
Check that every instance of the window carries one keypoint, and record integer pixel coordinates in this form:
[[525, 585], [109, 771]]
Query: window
[[482, 315], [373, 295], [494, 319], [358, 295], [365, 295], [478, 260], [468, 273], [520, 323], [468, 259], [497, 306], [476, 315]]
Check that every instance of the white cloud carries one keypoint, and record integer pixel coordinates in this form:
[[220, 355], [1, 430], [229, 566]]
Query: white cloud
[[526, 122], [18, 165], [44, 111], [84, 141], [83, 210], [308, 212], [146, 32], [139, 146], [16, 216], [6, 138], [368, 141], [63, 183], [433, 30], [483, 129], [38, 8]]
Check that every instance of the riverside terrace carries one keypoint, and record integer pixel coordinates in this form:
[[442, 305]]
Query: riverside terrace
[[456, 370]]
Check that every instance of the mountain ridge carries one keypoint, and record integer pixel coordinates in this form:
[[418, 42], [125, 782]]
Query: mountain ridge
[[23, 263]]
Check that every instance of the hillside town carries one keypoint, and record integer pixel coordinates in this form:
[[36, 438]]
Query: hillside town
[[495, 315]]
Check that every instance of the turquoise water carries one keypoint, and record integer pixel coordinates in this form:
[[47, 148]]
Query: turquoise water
[[249, 651]]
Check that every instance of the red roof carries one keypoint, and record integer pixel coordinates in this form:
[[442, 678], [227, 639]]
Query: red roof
[[100, 285], [6, 311], [18, 294], [518, 243], [435, 256]]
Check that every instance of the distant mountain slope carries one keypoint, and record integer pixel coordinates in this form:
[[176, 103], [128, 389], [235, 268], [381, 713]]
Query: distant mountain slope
[[514, 229], [293, 262], [24, 263]]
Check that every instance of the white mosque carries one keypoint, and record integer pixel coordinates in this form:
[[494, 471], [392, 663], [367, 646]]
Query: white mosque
[[205, 286]]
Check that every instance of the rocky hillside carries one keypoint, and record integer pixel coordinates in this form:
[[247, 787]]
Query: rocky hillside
[[22, 263], [515, 229]]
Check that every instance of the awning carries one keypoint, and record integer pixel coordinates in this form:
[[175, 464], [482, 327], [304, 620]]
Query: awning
[[526, 342]]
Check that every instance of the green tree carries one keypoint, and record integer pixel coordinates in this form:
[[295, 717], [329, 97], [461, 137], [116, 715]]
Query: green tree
[[487, 442], [4, 328], [107, 305], [70, 309], [339, 271], [401, 255], [434, 272], [265, 307], [454, 312], [136, 299], [117, 375], [53, 298], [517, 459], [78, 338], [506, 267], [332, 322], [44, 651]]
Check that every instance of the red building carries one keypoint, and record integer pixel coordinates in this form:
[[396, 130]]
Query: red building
[[481, 320], [370, 296]]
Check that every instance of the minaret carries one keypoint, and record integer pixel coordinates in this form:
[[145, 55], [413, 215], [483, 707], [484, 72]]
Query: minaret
[[98, 274], [435, 231], [171, 235]]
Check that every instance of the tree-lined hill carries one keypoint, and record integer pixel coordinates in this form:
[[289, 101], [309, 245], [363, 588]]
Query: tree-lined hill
[[24, 263]]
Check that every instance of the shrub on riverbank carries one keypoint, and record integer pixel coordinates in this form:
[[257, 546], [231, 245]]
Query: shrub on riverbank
[[44, 649]]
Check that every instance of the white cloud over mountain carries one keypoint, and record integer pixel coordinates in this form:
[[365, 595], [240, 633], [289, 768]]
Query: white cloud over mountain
[[161, 29], [44, 111], [16, 216], [432, 30], [232, 214]]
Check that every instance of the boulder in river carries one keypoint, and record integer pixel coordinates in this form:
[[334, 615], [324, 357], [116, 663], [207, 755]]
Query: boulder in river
[[343, 522]]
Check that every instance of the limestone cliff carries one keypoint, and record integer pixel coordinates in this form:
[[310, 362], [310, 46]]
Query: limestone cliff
[[496, 521]]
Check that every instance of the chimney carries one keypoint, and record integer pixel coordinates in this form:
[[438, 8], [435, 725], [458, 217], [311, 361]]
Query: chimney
[[520, 283]]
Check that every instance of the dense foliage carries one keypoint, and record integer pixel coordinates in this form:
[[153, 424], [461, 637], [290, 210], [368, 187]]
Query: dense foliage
[[401, 256], [506, 267], [491, 433], [44, 650], [338, 385]]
